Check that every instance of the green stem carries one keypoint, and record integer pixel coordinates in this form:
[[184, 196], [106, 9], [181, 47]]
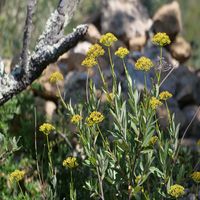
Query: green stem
[[72, 197], [61, 98], [49, 157], [160, 65], [86, 87], [112, 71], [21, 190], [102, 77]]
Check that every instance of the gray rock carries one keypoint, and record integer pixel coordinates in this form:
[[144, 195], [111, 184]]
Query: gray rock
[[125, 18], [180, 49], [168, 19]]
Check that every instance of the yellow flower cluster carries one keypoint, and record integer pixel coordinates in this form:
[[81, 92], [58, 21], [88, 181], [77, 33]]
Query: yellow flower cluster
[[153, 140], [108, 39], [154, 102], [122, 52], [46, 128], [89, 62], [75, 119], [16, 176], [144, 64], [70, 162], [165, 95], [95, 51], [161, 39], [55, 77], [196, 177], [94, 118], [176, 191]]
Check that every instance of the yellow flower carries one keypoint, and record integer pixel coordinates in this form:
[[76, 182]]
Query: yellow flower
[[75, 119], [176, 191], [165, 95], [16, 176], [196, 177], [108, 39], [70, 162], [154, 102], [153, 140], [95, 51], [161, 39], [89, 62], [122, 52], [55, 77], [46, 128], [94, 118], [143, 63], [198, 142], [110, 96]]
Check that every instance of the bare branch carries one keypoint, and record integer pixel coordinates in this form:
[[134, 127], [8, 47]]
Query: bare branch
[[27, 32], [51, 45]]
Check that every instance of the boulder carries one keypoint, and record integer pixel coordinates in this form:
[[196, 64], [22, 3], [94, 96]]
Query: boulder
[[168, 19], [180, 49], [93, 35], [137, 43], [189, 112], [125, 18], [186, 85]]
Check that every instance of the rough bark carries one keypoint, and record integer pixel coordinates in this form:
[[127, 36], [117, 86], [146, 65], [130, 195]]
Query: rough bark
[[51, 44]]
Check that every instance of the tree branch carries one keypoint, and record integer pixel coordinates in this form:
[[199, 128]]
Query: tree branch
[[52, 43], [27, 32]]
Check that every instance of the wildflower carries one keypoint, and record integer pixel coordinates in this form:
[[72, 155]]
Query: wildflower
[[143, 63], [16, 176], [55, 77], [153, 140], [110, 96], [46, 128], [95, 51], [196, 177], [70, 162], [176, 191], [161, 39], [89, 62], [165, 95], [154, 102], [108, 39], [94, 118], [75, 119], [122, 52]]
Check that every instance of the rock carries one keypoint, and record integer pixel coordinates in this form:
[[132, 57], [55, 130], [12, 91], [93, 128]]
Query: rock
[[197, 92], [93, 35], [137, 43], [180, 49], [125, 18], [189, 112], [75, 86], [50, 108], [186, 85], [174, 109], [72, 60], [168, 19]]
